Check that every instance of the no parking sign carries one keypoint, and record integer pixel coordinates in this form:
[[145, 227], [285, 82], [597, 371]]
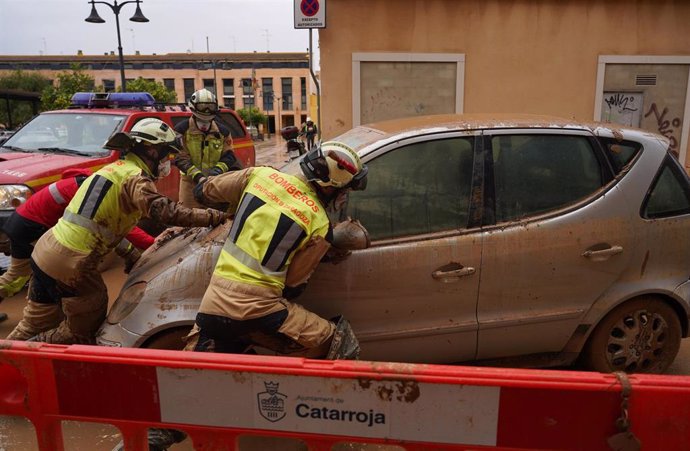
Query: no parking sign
[[310, 13]]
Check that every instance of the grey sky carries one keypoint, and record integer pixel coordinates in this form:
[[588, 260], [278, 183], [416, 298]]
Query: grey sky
[[57, 27]]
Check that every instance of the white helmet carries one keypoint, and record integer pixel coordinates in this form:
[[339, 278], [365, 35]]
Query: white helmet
[[203, 104], [336, 165], [149, 130]]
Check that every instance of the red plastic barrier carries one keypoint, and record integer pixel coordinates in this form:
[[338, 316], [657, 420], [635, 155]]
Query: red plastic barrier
[[216, 398]]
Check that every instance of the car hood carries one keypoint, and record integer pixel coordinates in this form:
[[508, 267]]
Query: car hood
[[176, 270], [19, 167]]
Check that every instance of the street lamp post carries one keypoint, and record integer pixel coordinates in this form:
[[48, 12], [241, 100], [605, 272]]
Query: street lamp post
[[115, 7]]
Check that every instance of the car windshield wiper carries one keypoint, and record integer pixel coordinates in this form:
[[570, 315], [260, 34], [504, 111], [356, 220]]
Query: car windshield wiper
[[16, 149], [65, 150]]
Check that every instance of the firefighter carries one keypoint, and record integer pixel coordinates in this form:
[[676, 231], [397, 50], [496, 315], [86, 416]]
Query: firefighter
[[39, 213], [279, 235], [67, 297], [309, 130], [207, 146]]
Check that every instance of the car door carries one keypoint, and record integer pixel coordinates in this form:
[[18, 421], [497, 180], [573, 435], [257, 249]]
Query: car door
[[559, 237], [412, 295]]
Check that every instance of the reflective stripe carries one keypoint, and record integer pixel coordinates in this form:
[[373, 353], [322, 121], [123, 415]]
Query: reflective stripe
[[249, 261], [89, 225], [57, 197], [249, 204], [94, 196], [285, 240]]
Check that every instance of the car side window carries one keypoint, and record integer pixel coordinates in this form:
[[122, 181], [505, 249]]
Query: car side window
[[670, 193], [230, 121], [177, 119], [620, 153], [537, 173], [416, 189]]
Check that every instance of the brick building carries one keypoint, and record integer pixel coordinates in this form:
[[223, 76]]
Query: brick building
[[276, 83]]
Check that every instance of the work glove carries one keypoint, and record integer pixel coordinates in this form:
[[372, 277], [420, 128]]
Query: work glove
[[182, 162], [131, 259], [217, 217]]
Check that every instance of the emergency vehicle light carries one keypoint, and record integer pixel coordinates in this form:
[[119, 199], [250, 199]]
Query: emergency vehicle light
[[112, 99]]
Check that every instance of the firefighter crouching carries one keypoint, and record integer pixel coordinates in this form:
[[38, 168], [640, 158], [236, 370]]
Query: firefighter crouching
[[279, 235], [67, 298], [207, 146]]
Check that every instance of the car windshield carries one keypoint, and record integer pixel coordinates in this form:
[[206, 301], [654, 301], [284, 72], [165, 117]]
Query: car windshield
[[77, 133]]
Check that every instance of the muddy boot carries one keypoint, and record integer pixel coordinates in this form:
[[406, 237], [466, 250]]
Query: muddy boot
[[12, 281], [37, 318], [159, 439], [83, 316]]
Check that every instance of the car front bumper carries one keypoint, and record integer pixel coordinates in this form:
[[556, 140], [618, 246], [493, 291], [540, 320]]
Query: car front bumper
[[114, 335]]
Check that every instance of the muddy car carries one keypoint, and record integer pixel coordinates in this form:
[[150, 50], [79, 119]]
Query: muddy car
[[519, 240]]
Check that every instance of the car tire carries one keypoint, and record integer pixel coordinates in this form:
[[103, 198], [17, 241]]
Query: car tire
[[170, 339], [640, 336]]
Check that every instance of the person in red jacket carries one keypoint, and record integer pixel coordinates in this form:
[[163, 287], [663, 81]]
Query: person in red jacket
[[39, 213]]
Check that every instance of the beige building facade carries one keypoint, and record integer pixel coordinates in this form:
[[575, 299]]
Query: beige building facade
[[618, 61], [276, 83]]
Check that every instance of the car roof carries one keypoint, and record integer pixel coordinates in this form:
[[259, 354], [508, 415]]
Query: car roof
[[475, 122], [395, 129]]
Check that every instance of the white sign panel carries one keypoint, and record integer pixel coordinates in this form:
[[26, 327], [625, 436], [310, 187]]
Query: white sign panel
[[401, 410], [623, 108], [310, 13]]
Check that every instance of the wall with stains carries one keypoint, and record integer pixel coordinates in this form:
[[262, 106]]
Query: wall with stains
[[520, 56]]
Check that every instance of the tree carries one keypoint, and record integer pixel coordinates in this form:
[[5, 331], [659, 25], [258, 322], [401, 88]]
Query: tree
[[155, 88], [22, 111], [252, 116], [59, 96]]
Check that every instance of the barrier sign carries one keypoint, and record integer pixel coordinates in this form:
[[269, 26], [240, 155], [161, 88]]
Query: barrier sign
[[310, 13], [219, 398]]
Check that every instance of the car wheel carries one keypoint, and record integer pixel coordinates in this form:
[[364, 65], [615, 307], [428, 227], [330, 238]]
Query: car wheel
[[171, 339], [639, 336]]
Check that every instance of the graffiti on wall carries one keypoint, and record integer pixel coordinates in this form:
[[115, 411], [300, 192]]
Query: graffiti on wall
[[622, 108], [667, 127]]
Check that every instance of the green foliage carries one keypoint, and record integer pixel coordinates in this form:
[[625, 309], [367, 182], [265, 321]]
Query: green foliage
[[155, 88], [252, 116], [69, 82], [22, 111]]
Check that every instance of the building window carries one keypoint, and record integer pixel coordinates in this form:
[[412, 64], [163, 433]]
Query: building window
[[247, 93], [286, 85], [303, 92], [169, 83], [229, 92], [188, 88], [109, 85], [395, 85], [267, 89], [209, 83]]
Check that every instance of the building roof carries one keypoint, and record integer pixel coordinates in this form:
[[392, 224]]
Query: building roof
[[167, 57], [221, 61]]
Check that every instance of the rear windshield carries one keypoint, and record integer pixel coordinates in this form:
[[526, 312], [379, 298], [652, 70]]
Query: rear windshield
[[77, 133]]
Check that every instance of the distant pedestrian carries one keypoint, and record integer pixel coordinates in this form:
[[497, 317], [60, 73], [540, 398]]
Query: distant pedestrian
[[309, 129]]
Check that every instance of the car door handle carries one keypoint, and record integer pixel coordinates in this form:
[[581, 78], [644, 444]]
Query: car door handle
[[466, 271], [603, 254]]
